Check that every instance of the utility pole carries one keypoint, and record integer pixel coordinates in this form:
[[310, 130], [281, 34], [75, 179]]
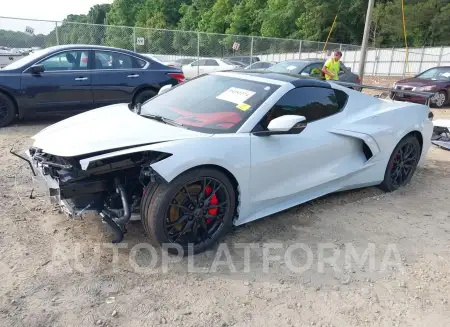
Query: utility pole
[[362, 59]]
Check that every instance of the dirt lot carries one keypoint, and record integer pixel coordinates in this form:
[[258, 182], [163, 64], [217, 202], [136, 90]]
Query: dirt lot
[[61, 272]]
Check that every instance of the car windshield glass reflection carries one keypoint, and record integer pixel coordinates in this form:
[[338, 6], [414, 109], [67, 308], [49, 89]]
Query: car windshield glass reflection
[[210, 104]]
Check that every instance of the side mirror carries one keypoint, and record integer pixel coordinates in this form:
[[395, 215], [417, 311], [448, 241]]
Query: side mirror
[[37, 69], [289, 124], [164, 89]]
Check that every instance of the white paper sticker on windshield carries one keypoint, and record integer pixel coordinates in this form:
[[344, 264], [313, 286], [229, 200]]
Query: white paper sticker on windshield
[[235, 95], [291, 67]]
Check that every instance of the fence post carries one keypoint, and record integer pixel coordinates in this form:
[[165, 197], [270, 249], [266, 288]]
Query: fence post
[[300, 50], [198, 53], [440, 55], [340, 47], [421, 59], [251, 51], [134, 38], [390, 63], [375, 62], [56, 33]]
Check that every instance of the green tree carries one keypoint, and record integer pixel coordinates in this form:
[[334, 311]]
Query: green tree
[[280, 16]]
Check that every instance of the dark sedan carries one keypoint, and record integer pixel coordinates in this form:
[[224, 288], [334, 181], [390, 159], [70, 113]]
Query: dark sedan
[[73, 78], [436, 80], [312, 68]]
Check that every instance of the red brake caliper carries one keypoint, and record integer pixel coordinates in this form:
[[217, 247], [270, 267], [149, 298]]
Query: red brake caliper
[[395, 157], [214, 201]]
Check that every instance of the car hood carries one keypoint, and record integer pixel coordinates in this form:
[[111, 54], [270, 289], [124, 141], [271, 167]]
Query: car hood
[[418, 82], [106, 128]]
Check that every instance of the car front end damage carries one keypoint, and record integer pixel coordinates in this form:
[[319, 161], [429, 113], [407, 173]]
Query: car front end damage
[[112, 187]]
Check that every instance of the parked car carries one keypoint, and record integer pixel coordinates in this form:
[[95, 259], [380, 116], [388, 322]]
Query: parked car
[[312, 68], [226, 149], [72, 78], [436, 80], [179, 63], [204, 66], [247, 60], [237, 63], [261, 65]]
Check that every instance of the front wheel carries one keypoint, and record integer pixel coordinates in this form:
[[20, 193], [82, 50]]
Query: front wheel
[[193, 211], [439, 99], [402, 164], [7, 110]]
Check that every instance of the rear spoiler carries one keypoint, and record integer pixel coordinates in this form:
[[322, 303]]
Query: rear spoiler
[[426, 95]]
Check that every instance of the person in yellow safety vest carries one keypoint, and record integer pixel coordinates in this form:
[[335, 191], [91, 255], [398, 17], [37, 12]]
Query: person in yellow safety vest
[[332, 66]]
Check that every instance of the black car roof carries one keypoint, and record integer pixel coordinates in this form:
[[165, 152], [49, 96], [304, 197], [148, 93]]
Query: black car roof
[[294, 79], [89, 46]]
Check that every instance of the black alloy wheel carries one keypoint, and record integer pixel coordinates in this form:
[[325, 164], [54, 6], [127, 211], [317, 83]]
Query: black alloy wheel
[[193, 211], [402, 164], [196, 211]]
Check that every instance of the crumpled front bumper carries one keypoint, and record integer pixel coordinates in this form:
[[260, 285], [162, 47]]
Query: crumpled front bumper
[[52, 184]]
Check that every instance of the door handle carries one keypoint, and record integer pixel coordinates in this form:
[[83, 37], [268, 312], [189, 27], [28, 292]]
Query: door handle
[[133, 76], [81, 79]]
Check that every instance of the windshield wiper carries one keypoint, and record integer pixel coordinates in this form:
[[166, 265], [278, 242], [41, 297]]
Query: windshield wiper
[[162, 119]]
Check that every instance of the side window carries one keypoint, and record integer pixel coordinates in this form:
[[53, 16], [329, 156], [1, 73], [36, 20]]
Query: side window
[[258, 65], [201, 62], [211, 62], [314, 70], [313, 103], [68, 60], [112, 60], [140, 63]]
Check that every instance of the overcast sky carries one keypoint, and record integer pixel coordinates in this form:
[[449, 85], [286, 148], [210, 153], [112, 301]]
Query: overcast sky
[[42, 9]]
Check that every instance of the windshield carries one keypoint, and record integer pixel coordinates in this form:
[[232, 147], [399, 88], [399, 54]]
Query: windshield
[[211, 103], [25, 60], [436, 74], [290, 66]]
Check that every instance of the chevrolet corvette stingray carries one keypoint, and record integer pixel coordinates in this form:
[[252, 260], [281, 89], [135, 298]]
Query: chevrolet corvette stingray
[[225, 149]]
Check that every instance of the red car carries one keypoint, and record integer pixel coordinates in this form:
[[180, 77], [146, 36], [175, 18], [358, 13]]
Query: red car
[[435, 80]]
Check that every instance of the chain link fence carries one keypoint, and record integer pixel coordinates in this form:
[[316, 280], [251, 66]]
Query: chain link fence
[[19, 36]]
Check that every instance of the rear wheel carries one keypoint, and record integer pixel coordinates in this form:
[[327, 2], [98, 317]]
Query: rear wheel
[[402, 164], [7, 110], [194, 210], [143, 96]]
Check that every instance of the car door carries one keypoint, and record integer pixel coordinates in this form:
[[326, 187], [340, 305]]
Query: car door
[[115, 77], [65, 84], [287, 167], [211, 65], [194, 69]]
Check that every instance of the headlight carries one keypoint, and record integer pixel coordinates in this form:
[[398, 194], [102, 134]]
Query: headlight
[[427, 88]]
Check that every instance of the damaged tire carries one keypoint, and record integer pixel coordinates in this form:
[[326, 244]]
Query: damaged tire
[[192, 212], [7, 110]]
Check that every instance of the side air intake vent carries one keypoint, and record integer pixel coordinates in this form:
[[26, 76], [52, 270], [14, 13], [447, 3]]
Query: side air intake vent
[[367, 152]]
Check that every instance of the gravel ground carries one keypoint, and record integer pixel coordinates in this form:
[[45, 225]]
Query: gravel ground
[[61, 272]]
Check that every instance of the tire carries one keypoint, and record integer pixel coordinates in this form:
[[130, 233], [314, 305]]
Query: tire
[[439, 99], [404, 160], [169, 216], [7, 110], [143, 96]]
